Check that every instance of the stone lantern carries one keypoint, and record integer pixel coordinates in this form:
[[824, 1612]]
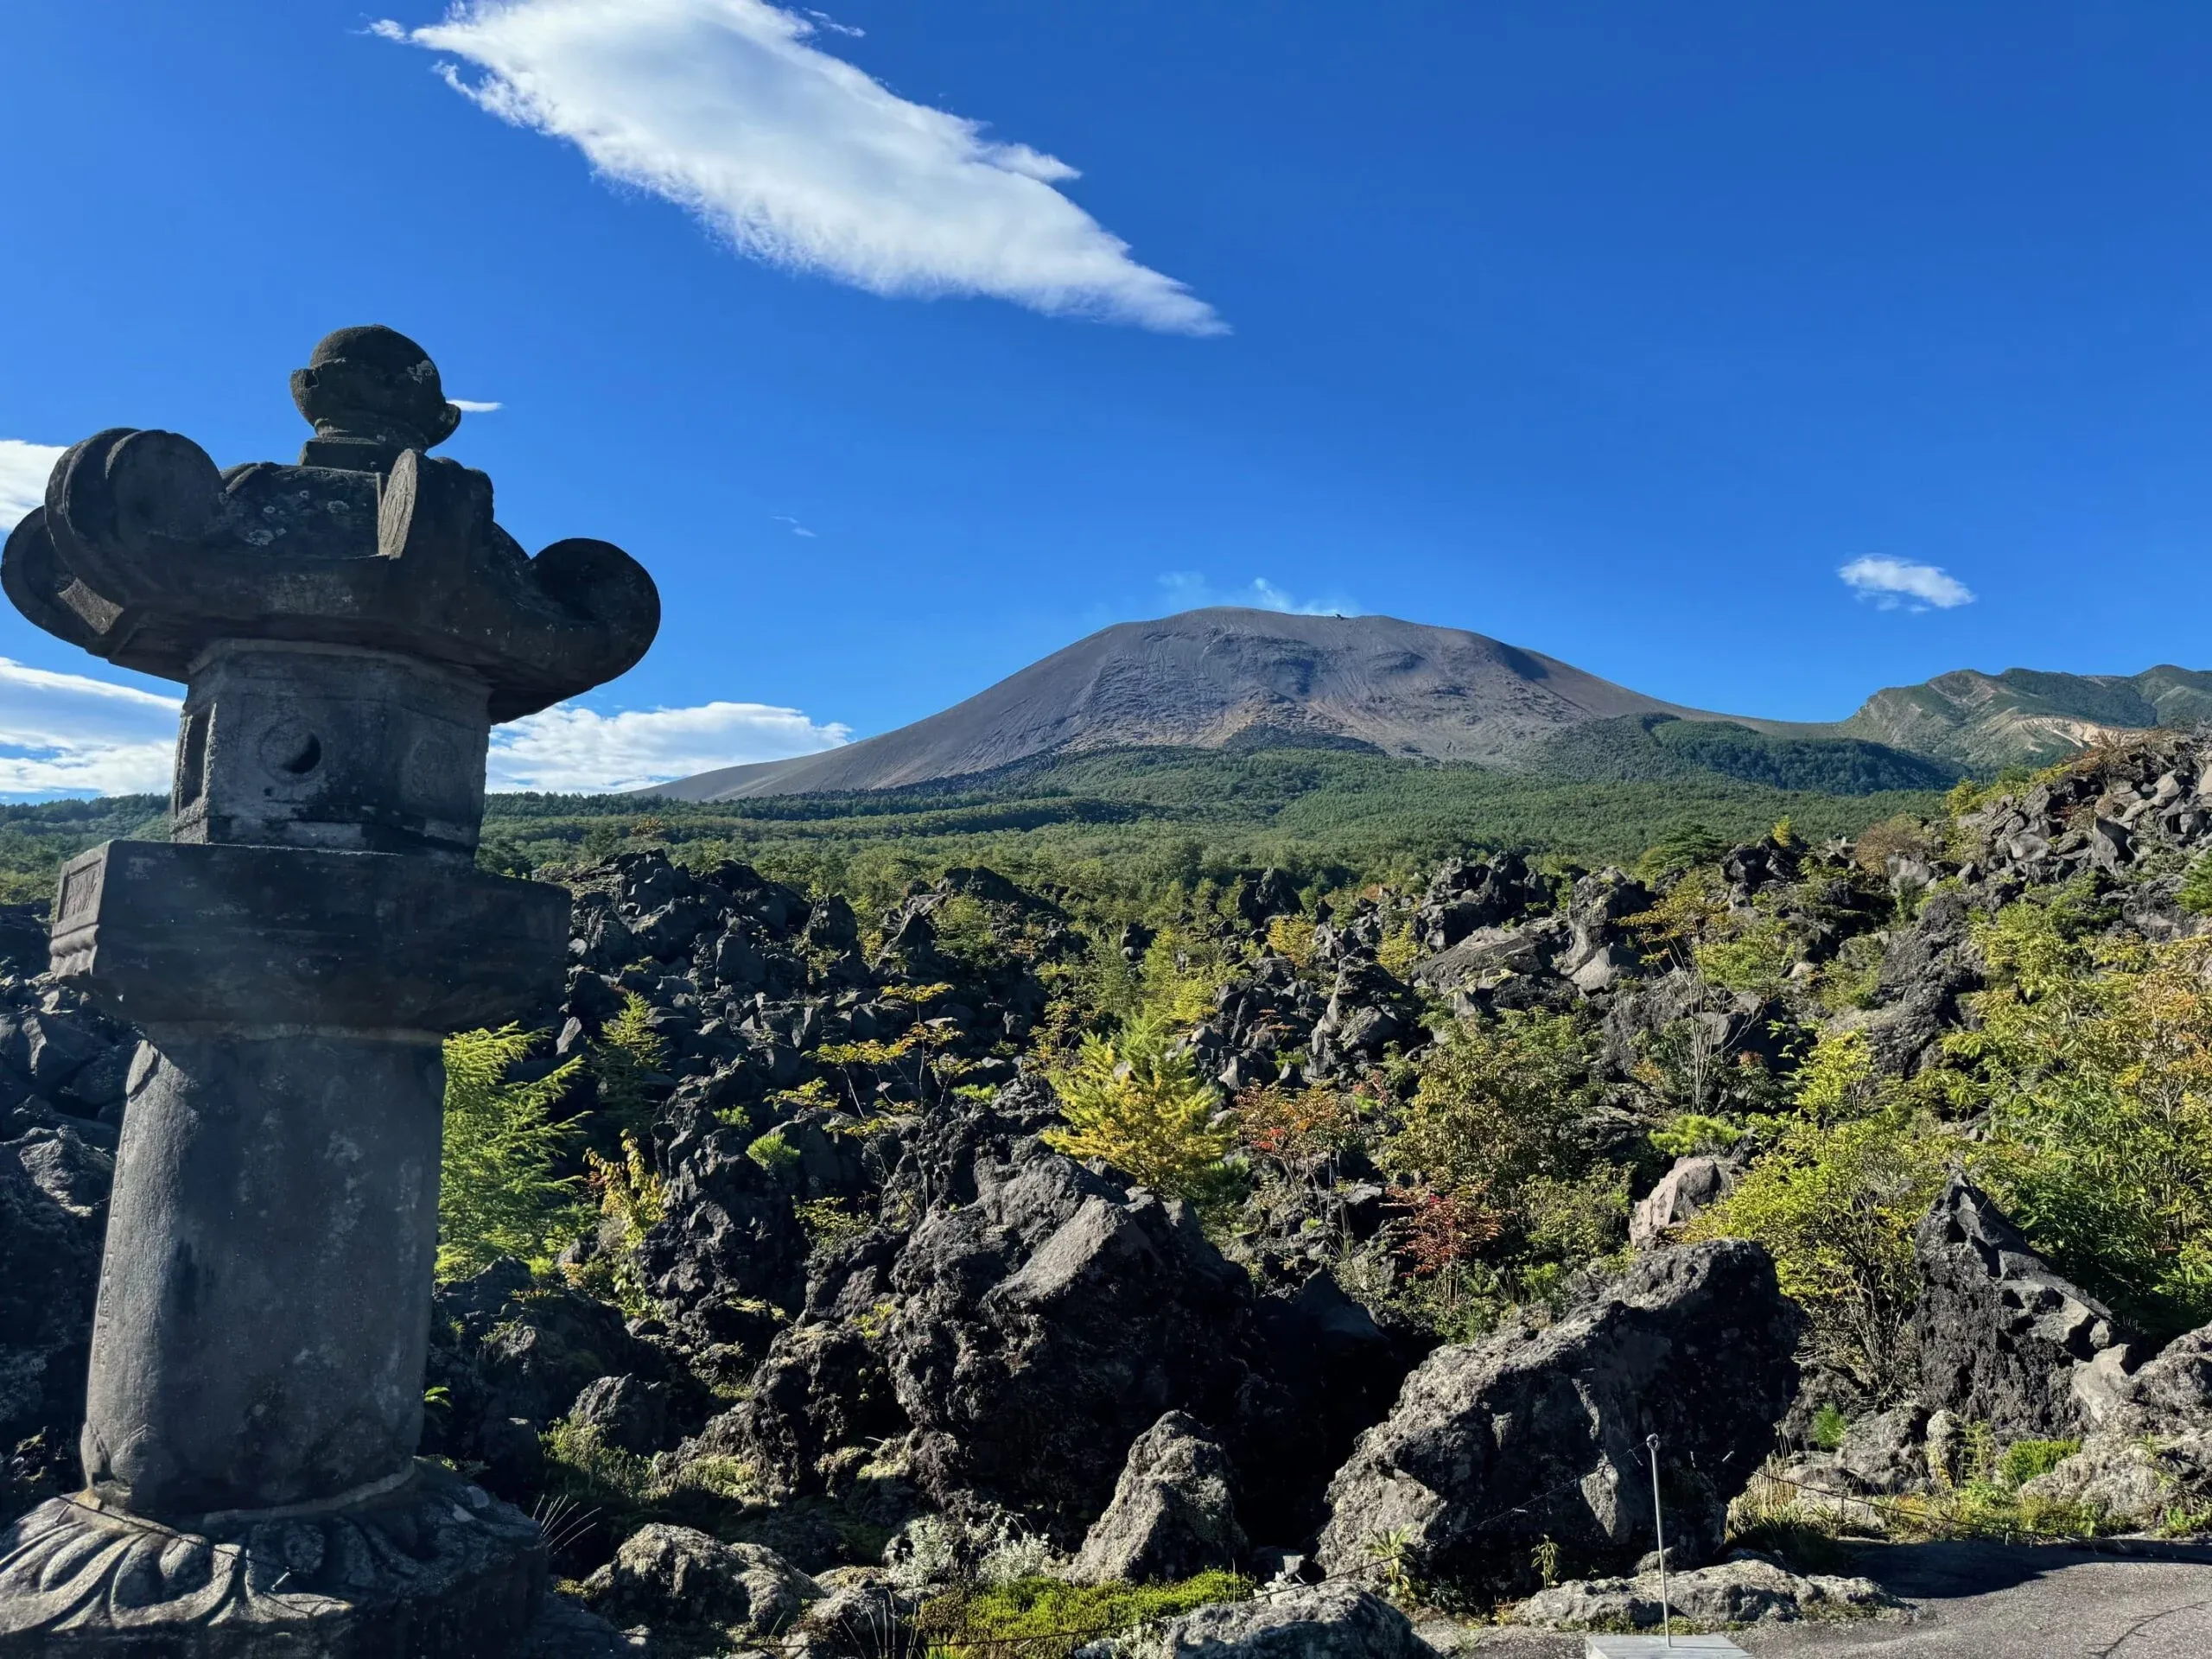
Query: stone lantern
[[348, 629]]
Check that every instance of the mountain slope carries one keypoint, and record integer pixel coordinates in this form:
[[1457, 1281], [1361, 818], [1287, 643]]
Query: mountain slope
[[1224, 678], [2026, 717]]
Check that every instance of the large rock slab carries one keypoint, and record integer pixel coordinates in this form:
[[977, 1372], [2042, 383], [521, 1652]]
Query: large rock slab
[[1496, 1446], [2004, 1338]]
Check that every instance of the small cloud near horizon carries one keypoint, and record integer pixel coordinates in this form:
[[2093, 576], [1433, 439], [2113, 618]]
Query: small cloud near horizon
[[568, 750], [730, 110], [25, 469], [1188, 590], [470, 406], [1899, 584]]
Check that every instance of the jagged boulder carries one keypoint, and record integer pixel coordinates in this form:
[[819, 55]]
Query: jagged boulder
[[626, 1412], [1598, 949], [1693, 1185], [1048, 1321], [2149, 1461], [2004, 1338], [1320, 1621], [1529, 1435], [677, 1576], [1173, 1514]]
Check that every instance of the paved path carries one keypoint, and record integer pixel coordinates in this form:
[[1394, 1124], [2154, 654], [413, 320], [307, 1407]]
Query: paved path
[[1987, 1601]]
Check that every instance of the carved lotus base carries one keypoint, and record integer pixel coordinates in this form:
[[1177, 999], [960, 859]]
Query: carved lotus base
[[436, 1570]]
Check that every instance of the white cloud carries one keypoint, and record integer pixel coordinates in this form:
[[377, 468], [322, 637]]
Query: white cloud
[[569, 749], [1895, 583], [470, 406], [797, 528], [24, 471], [1188, 590], [796, 157], [70, 734]]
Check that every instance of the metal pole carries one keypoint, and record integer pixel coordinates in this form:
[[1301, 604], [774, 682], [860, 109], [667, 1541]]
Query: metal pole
[[1659, 1529]]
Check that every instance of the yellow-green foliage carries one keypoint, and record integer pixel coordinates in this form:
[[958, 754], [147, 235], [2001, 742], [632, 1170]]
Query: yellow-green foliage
[[1505, 1197], [1757, 960], [498, 1193], [629, 1050], [630, 1196], [2092, 1060], [1292, 937], [773, 1152], [1140, 1106], [1835, 1199], [829, 1222], [1498, 1102], [1048, 1618]]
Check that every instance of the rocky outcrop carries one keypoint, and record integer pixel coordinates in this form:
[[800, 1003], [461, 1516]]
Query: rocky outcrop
[[1048, 1321], [1693, 1185], [665, 1575], [1748, 1590], [1533, 1435], [2149, 1464], [53, 1187], [1322, 1621], [2004, 1339], [1173, 1514]]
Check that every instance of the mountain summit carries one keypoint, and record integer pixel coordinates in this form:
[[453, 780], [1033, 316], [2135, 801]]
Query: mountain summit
[[1218, 679]]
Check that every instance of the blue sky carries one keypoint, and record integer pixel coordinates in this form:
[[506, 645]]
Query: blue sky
[[905, 343]]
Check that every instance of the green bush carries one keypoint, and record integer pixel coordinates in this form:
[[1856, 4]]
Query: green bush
[[498, 1192], [773, 1152]]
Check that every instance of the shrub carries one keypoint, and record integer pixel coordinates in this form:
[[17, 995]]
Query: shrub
[[628, 1052], [773, 1152], [630, 1197], [1836, 1206], [2093, 1065], [498, 1193], [1292, 937], [1140, 1104]]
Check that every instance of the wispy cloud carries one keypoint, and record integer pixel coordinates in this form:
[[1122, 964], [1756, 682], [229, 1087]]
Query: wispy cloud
[[1188, 590], [570, 749], [797, 528], [470, 406], [727, 108], [24, 471], [1895, 584], [70, 734]]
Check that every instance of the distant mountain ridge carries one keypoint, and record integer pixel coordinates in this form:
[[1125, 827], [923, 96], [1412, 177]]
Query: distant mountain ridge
[[1228, 679], [2024, 716]]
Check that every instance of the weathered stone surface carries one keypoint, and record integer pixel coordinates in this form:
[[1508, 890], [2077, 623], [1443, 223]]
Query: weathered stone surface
[[1746, 1591], [1322, 1621], [145, 555], [348, 631], [436, 1569], [2004, 1339], [675, 1576], [1173, 1514], [2135, 1482], [52, 1210], [1048, 1318], [1694, 1184], [628, 1412], [1884, 1451], [1496, 1446]]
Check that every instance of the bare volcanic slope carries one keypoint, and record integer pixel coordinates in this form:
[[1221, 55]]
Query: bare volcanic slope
[[1222, 678]]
